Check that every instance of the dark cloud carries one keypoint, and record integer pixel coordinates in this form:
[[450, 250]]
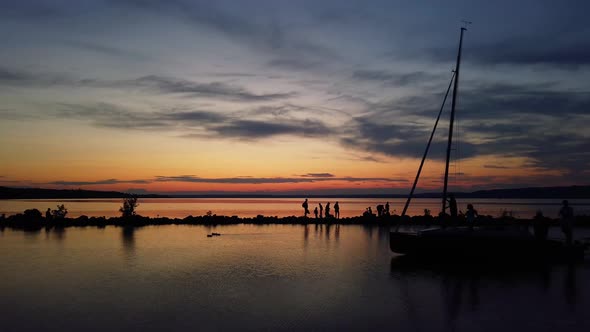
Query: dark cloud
[[100, 182], [499, 99], [317, 175], [8, 75], [398, 79], [497, 167], [275, 180], [573, 55], [197, 117], [296, 64], [153, 83], [261, 129], [538, 121], [555, 47], [23, 78], [112, 116], [398, 140], [199, 124], [194, 89], [321, 177]]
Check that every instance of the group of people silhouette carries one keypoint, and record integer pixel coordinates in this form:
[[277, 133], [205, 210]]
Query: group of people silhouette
[[322, 213], [382, 210], [470, 215]]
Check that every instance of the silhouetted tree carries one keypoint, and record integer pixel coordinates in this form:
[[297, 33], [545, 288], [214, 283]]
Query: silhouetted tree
[[60, 213], [129, 205]]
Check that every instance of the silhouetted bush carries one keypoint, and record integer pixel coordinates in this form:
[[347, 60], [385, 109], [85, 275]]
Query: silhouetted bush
[[33, 214], [128, 208], [32, 220]]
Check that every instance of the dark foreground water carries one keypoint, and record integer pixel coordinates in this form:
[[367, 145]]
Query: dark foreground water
[[277, 277]]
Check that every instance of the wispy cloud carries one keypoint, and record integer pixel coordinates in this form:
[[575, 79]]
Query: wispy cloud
[[99, 182], [308, 178], [150, 83], [417, 78], [276, 180], [193, 89], [317, 175], [198, 124], [496, 166], [520, 51], [266, 34], [106, 50], [262, 129]]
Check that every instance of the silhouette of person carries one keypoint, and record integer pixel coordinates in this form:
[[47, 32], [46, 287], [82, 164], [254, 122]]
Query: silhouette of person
[[321, 211], [328, 210], [453, 206], [337, 210], [380, 209], [48, 214], [315, 211], [305, 208], [370, 211], [387, 208], [470, 215], [567, 221]]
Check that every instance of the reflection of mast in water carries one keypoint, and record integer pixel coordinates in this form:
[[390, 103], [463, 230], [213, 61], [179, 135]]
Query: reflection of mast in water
[[570, 287], [411, 311], [452, 291]]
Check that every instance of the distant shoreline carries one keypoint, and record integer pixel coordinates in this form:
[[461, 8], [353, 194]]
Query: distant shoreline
[[569, 192]]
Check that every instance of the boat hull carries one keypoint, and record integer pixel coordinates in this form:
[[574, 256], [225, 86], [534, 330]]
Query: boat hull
[[465, 243]]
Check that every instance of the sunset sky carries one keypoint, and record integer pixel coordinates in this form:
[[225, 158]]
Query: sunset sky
[[291, 96]]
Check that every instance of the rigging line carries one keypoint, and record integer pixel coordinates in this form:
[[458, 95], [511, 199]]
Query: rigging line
[[427, 148]]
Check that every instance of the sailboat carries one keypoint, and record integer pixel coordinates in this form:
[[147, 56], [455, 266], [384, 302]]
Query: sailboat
[[470, 242]]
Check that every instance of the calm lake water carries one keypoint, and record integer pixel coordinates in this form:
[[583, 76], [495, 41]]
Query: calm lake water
[[276, 277], [349, 207]]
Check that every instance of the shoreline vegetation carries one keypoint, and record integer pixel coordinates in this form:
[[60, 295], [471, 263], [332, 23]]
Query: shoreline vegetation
[[32, 220]]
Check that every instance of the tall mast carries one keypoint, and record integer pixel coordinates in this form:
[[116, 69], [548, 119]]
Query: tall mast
[[454, 103], [411, 195]]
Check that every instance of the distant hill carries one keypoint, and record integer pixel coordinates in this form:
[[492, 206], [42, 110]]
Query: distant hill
[[39, 193], [571, 192]]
